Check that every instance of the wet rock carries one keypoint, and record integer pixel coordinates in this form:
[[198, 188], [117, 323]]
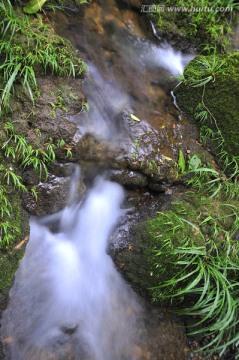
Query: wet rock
[[69, 329], [47, 122], [152, 150], [163, 337], [161, 187], [90, 148], [129, 178], [139, 205], [49, 118], [62, 169], [52, 196]]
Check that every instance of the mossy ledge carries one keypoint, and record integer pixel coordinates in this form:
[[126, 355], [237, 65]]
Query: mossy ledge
[[194, 220], [186, 258], [219, 96], [190, 22]]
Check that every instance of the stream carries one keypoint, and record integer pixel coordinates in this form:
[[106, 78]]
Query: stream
[[68, 300], [129, 71]]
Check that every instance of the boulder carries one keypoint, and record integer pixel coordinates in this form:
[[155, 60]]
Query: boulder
[[217, 96]]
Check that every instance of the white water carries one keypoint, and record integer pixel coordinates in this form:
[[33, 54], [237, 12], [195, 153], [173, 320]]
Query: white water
[[108, 98], [172, 60], [110, 93], [168, 58], [68, 300]]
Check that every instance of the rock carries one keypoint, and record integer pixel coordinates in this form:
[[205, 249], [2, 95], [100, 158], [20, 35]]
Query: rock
[[150, 146], [152, 150], [220, 96], [129, 178], [52, 196], [49, 118], [62, 169], [163, 337], [157, 187], [40, 126], [133, 3], [139, 206]]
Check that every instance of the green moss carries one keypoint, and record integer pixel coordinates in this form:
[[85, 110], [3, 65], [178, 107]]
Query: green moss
[[9, 261], [195, 222], [187, 19], [28, 47], [14, 225], [219, 95], [137, 262], [8, 266], [141, 265], [188, 258]]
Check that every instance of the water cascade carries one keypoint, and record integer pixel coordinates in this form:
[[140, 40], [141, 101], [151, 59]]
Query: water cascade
[[128, 71], [68, 300]]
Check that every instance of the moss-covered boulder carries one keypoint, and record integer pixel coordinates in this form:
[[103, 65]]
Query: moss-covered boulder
[[173, 249], [140, 263], [187, 257], [187, 25], [210, 92]]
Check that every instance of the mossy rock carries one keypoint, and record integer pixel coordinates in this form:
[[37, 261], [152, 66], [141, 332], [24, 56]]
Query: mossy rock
[[11, 257], [9, 263], [185, 26], [174, 28], [220, 95], [199, 223], [140, 263]]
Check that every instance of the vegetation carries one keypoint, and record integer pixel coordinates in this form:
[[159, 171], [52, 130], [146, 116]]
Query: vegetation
[[213, 85], [20, 154], [199, 20], [10, 227], [17, 148], [196, 253], [28, 46], [34, 6], [8, 265], [190, 252], [187, 256]]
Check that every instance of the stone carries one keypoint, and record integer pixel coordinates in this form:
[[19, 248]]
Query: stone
[[129, 178]]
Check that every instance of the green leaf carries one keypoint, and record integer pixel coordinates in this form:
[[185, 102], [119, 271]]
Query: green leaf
[[135, 118], [181, 161], [33, 6], [209, 170], [194, 162]]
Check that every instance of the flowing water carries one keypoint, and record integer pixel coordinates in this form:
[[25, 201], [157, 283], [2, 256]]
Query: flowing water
[[129, 70], [68, 300]]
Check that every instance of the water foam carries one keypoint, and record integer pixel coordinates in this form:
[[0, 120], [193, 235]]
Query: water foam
[[68, 300]]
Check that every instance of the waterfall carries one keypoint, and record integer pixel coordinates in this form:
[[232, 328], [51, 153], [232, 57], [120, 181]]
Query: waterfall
[[68, 301]]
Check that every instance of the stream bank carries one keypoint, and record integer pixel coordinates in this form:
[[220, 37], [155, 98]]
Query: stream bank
[[141, 154], [217, 98]]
